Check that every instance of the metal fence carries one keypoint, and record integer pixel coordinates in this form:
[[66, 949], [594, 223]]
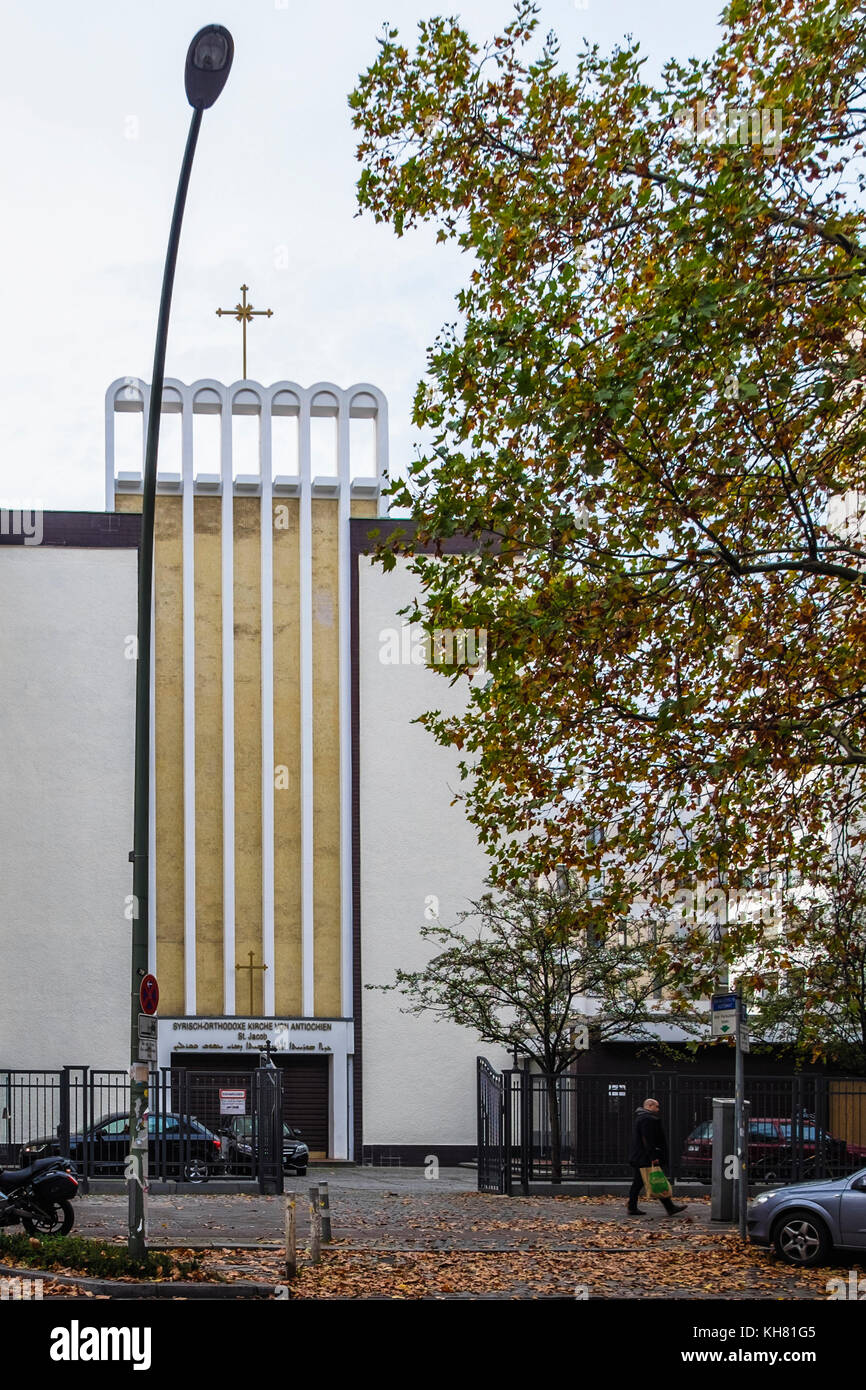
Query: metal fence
[[538, 1129], [83, 1113]]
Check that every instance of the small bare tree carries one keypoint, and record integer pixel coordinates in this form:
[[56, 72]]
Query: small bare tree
[[523, 970]]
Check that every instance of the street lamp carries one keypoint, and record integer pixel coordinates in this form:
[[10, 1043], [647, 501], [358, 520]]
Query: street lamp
[[208, 63]]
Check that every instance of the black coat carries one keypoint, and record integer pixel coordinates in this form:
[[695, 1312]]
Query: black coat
[[649, 1144]]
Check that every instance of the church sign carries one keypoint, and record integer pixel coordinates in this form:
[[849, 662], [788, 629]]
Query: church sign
[[285, 1035]]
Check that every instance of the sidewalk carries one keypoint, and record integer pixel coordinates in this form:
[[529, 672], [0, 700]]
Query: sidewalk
[[398, 1234]]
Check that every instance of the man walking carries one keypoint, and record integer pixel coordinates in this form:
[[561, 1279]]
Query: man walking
[[649, 1146]]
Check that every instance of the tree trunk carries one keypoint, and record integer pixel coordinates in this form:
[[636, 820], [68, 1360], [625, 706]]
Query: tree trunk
[[555, 1128]]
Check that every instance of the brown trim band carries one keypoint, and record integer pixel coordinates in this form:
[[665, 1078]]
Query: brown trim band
[[77, 530]]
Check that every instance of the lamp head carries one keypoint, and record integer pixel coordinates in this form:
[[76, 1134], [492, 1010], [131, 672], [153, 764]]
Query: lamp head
[[208, 63]]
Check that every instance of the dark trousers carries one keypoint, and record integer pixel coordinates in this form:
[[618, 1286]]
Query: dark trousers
[[636, 1190]]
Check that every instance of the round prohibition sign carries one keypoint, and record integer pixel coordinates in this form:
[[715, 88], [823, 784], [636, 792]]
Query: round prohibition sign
[[149, 994]]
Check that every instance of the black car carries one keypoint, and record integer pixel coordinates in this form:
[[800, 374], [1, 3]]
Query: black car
[[179, 1146], [241, 1146]]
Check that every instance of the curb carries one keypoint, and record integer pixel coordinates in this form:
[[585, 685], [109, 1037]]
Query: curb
[[219, 1187], [117, 1289]]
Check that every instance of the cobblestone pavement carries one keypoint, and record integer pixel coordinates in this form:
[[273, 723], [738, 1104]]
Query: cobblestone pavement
[[397, 1208], [396, 1234]]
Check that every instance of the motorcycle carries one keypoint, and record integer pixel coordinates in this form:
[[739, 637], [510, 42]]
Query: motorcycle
[[39, 1196]]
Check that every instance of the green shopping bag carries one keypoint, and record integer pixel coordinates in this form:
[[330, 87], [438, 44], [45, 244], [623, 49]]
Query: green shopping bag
[[657, 1183]]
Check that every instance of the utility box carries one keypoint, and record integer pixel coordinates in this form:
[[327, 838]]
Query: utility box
[[723, 1206]]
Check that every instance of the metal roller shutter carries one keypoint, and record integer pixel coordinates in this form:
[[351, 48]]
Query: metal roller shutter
[[305, 1098]]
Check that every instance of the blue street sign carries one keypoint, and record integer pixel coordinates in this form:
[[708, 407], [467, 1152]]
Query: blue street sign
[[724, 1002]]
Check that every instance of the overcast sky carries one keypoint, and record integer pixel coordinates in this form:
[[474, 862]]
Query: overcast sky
[[94, 120]]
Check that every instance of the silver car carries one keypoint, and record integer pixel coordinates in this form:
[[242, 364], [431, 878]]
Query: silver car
[[806, 1221]]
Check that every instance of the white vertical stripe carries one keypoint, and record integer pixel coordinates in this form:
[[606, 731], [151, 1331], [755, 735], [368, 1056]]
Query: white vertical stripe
[[110, 398], [188, 561], [344, 678], [306, 660], [382, 447], [267, 639], [228, 653]]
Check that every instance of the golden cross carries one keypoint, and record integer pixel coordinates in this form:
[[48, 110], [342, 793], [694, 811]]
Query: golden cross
[[251, 968], [243, 312]]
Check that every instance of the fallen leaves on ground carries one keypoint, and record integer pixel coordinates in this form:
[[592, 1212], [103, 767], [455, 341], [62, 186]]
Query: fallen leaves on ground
[[666, 1263]]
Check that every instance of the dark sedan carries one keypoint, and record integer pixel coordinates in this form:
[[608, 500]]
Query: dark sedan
[[241, 1146], [179, 1146]]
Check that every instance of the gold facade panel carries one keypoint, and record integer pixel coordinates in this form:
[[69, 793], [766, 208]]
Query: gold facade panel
[[127, 502], [326, 758], [168, 736], [364, 507], [248, 750], [288, 993], [208, 756]]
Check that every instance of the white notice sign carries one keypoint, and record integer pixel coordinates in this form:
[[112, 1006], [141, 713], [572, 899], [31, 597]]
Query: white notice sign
[[233, 1102], [146, 1038]]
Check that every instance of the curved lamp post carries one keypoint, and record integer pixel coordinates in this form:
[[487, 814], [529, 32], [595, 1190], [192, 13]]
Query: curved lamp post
[[208, 63]]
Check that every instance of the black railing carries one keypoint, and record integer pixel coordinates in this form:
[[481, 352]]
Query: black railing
[[493, 1130], [535, 1129], [196, 1133]]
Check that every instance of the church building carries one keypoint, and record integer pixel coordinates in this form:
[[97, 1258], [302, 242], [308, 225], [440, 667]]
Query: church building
[[302, 825]]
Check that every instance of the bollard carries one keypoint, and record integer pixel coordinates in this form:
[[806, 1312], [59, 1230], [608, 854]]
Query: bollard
[[291, 1247], [315, 1227], [325, 1204]]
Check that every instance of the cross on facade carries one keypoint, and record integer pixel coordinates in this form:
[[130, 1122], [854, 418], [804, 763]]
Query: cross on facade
[[243, 312], [251, 968]]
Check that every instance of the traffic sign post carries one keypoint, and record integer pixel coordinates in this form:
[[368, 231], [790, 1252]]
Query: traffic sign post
[[740, 1121], [145, 1054], [149, 995]]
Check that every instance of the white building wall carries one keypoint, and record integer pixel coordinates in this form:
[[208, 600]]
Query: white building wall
[[67, 696], [418, 1073]]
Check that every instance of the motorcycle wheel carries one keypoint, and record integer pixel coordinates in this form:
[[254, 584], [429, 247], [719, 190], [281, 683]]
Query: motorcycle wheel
[[58, 1223]]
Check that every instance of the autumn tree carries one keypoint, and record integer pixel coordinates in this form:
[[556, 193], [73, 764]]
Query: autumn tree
[[648, 417], [809, 975], [527, 965]]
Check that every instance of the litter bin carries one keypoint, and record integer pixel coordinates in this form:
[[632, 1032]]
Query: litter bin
[[723, 1206]]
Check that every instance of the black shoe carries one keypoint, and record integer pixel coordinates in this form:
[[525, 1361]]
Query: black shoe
[[635, 1211], [674, 1211]]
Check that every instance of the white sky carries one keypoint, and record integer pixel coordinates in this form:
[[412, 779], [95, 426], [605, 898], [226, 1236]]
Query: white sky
[[94, 120]]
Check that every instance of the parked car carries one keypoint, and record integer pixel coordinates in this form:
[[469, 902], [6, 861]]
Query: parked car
[[771, 1150], [804, 1223], [178, 1145], [240, 1142]]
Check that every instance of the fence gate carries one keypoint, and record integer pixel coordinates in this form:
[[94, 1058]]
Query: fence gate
[[268, 1112], [85, 1113], [534, 1128], [493, 1150]]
